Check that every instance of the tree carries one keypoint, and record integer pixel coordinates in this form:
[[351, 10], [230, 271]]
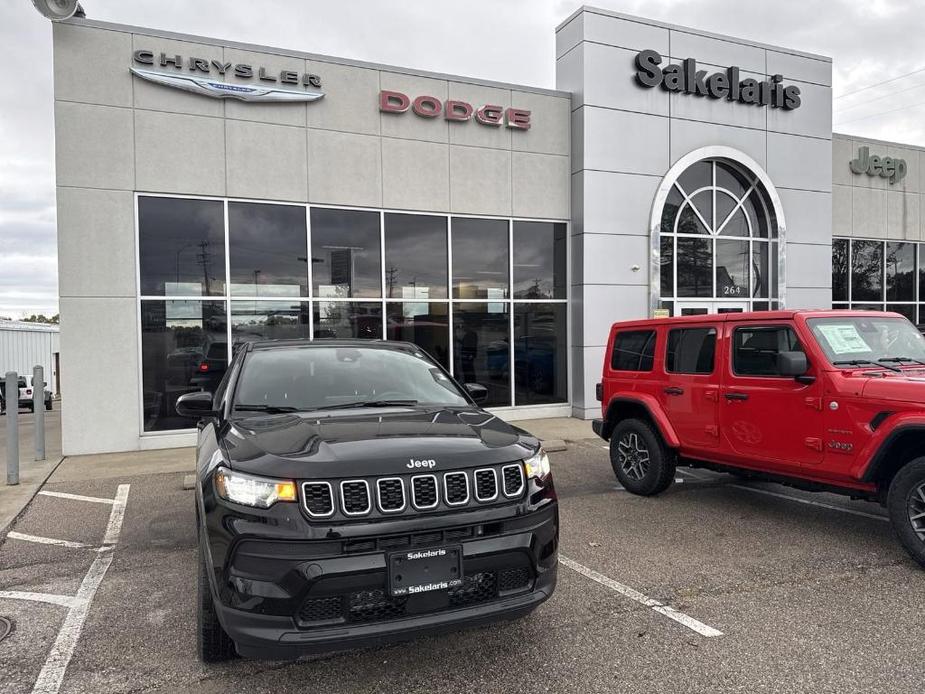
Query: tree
[[42, 318]]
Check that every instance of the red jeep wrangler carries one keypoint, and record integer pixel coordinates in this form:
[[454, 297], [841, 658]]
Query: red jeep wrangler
[[821, 400]]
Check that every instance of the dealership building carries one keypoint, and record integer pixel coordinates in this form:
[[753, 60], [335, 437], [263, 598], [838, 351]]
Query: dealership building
[[212, 192]]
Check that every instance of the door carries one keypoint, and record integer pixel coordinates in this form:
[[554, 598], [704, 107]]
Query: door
[[689, 395], [765, 417], [702, 308]]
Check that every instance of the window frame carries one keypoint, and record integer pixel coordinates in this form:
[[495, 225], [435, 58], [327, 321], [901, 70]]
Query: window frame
[[760, 326], [554, 409], [716, 344]]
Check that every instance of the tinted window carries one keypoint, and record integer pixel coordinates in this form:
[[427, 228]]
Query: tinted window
[[267, 249], [633, 350], [348, 319], [176, 337], [480, 258], [181, 247], [540, 359], [482, 348], [539, 260], [345, 254], [695, 267], [312, 377], [840, 270], [415, 257], [867, 270], [268, 320], [900, 272], [426, 324], [691, 350], [755, 349]]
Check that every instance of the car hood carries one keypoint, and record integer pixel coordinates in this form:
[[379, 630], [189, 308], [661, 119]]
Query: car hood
[[387, 441], [906, 387]]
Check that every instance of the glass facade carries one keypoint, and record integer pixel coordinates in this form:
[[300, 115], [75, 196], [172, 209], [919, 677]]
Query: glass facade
[[879, 276], [478, 294], [718, 239]]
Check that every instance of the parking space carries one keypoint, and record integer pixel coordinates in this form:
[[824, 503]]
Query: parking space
[[796, 592]]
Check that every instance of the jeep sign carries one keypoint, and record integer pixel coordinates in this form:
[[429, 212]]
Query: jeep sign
[[872, 165]]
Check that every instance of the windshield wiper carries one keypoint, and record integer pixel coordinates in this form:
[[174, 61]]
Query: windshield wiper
[[365, 403], [862, 362], [270, 409], [899, 360]]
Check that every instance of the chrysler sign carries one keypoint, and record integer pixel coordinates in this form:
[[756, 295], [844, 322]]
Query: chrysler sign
[[726, 84], [195, 75]]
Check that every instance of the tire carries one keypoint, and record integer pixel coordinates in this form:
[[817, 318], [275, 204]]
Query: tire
[[214, 645], [642, 462], [905, 501]]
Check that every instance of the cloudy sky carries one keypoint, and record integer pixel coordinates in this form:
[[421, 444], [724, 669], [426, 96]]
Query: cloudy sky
[[505, 40]]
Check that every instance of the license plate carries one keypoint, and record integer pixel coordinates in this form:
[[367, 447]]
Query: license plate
[[424, 570]]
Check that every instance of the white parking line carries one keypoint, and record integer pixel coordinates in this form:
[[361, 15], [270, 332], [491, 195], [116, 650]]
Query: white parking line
[[821, 504], [52, 673], [632, 594], [78, 497], [46, 540], [50, 598]]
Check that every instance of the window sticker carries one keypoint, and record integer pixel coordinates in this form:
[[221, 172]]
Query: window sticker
[[844, 339]]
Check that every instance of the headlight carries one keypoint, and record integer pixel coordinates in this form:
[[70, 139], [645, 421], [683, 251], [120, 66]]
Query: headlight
[[538, 465], [250, 490]]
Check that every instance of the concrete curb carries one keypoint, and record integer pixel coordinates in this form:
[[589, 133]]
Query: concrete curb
[[555, 445], [26, 500]]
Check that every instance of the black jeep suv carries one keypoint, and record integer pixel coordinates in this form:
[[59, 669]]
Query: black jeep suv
[[351, 493]]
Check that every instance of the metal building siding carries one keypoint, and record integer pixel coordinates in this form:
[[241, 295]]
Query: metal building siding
[[22, 347]]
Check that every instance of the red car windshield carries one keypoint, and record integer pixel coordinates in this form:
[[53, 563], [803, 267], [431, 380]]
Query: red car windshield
[[864, 340]]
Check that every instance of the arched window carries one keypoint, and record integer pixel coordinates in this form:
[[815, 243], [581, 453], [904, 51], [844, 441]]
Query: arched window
[[718, 241]]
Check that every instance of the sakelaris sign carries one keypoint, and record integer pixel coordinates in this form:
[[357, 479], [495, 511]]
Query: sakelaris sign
[[727, 84]]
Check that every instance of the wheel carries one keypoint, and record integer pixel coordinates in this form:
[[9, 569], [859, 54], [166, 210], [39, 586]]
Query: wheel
[[906, 505], [641, 461], [215, 646]]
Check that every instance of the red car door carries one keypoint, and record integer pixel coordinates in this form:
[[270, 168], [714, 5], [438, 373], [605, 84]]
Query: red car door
[[690, 390], [770, 420]]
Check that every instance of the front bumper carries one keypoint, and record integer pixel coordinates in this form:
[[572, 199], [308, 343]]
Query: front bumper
[[279, 599]]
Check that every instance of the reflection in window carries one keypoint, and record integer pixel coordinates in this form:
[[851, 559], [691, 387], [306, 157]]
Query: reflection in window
[[177, 338], [267, 249], [181, 246], [345, 254], [540, 360], [900, 272], [268, 320], [348, 319], [539, 260], [415, 257], [840, 270], [718, 236], [481, 348], [867, 271], [480, 258], [426, 324]]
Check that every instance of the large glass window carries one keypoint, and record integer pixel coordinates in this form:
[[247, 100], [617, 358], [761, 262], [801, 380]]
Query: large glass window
[[267, 249], [878, 276], [480, 258], [415, 257], [718, 238], [177, 338], [540, 359], [453, 286], [345, 254], [539, 260], [181, 245]]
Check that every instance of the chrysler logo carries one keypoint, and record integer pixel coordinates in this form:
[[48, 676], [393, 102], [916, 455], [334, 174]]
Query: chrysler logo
[[201, 81]]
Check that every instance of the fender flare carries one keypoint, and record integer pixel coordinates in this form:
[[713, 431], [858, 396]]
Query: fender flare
[[656, 413], [879, 458]]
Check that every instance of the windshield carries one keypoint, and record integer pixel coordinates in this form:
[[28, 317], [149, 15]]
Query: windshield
[[311, 378], [867, 339]]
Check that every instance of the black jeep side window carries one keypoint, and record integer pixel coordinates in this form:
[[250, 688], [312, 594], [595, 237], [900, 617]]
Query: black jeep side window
[[691, 351], [633, 350], [755, 349]]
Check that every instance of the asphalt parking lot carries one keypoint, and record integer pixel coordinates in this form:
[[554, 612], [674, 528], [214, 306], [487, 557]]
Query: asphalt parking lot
[[717, 585]]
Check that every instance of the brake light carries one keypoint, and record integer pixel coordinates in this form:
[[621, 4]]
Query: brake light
[[203, 367]]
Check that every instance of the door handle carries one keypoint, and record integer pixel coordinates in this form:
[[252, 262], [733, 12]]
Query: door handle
[[736, 396], [674, 390]]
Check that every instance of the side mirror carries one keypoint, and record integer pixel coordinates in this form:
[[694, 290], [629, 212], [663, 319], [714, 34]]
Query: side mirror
[[477, 391], [792, 364], [195, 405]]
